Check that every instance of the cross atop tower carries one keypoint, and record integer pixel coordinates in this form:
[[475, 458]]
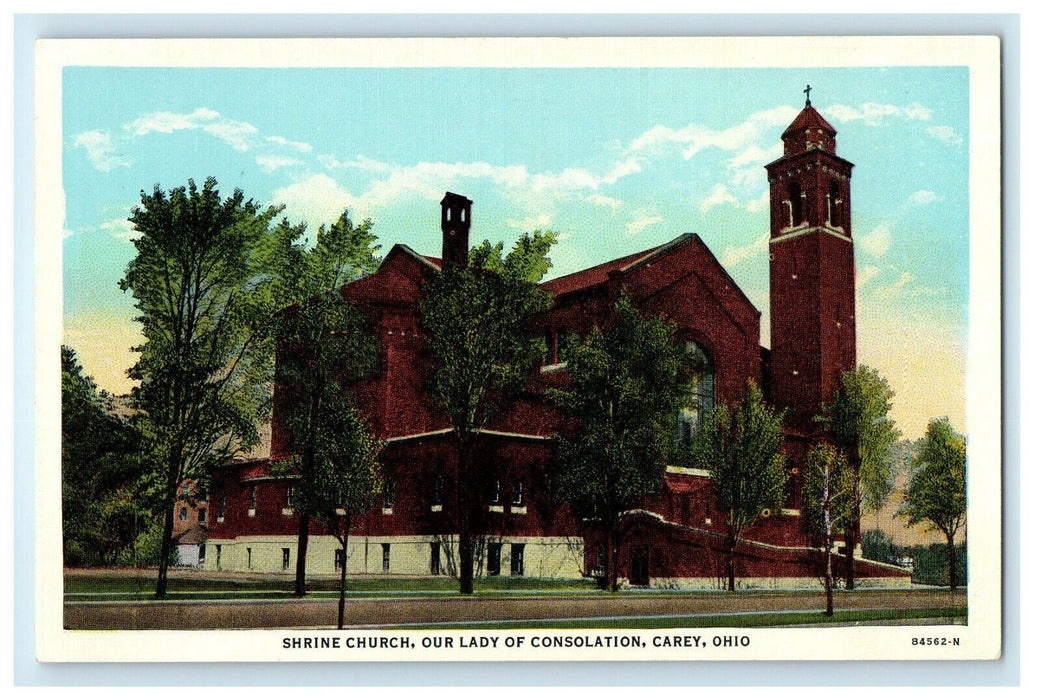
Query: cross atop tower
[[807, 91]]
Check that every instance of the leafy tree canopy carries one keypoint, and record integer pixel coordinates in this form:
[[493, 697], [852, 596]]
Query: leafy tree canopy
[[935, 493], [860, 424], [739, 447]]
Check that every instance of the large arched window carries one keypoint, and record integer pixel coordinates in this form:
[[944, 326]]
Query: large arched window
[[702, 395], [795, 197]]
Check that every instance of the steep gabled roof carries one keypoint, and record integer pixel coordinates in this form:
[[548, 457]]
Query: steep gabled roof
[[593, 276]]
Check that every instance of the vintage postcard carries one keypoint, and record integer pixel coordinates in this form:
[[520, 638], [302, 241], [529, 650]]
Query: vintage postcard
[[518, 349]]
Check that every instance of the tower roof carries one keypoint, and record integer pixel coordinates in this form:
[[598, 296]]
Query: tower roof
[[809, 118]]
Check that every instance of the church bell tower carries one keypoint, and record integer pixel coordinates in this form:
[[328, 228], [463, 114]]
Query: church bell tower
[[812, 287]]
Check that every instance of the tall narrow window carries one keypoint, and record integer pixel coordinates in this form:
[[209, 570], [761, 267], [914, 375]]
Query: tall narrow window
[[289, 496], [702, 395], [835, 206], [386, 557], [435, 558], [388, 494], [253, 498], [796, 199], [494, 558], [516, 560], [493, 493], [563, 345], [249, 557], [202, 516], [338, 560], [222, 507], [285, 557], [518, 494], [439, 486]]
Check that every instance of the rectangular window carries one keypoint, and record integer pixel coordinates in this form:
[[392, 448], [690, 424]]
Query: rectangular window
[[186, 491], [518, 495], [388, 494], [494, 558], [202, 516], [439, 485], [183, 515], [222, 507], [516, 560], [494, 496], [218, 557], [202, 553], [338, 563], [253, 498], [285, 557], [289, 497], [435, 558], [249, 557], [386, 557]]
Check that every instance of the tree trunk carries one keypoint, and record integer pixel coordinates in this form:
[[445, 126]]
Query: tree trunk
[[464, 505], [343, 571], [731, 549], [173, 471], [303, 525], [829, 581], [852, 534], [952, 563], [611, 575]]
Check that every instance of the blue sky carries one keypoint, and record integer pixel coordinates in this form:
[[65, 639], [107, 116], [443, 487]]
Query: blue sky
[[614, 160]]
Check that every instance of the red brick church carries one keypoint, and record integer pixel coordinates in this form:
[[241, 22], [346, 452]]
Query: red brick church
[[676, 537]]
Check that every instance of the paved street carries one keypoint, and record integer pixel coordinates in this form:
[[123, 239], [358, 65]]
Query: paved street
[[376, 612]]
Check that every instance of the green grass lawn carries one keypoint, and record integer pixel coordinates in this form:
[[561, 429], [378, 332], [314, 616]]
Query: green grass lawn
[[128, 586], [765, 619]]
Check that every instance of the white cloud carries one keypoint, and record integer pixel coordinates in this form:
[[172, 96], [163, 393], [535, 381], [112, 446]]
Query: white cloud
[[866, 275], [359, 162], [759, 203], [236, 134], [922, 197], [317, 199], [717, 197], [100, 151], [896, 288], [945, 134], [695, 138], [120, 228], [877, 242], [296, 145], [875, 113], [169, 122], [272, 163], [601, 200], [636, 225], [733, 255], [531, 223]]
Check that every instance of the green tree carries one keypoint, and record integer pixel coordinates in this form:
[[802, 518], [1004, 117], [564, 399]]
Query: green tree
[[325, 346], [101, 514], [827, 491], [935, 493], [740, 449], [344, 477], [205, 307], [476, 321], [859, 424], [626, 387]]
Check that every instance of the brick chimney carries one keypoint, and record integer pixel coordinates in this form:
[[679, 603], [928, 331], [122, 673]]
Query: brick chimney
[[455, 229]]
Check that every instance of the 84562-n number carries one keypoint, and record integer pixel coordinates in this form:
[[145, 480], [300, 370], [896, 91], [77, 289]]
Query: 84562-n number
[[935, 641]]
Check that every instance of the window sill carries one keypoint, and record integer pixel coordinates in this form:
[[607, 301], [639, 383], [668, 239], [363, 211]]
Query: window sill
[[546, 369], [435, 509], [220, 520], [388, 511], [495, 509], [252, 512], [287, 511], [794, 512], [519, 510]]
